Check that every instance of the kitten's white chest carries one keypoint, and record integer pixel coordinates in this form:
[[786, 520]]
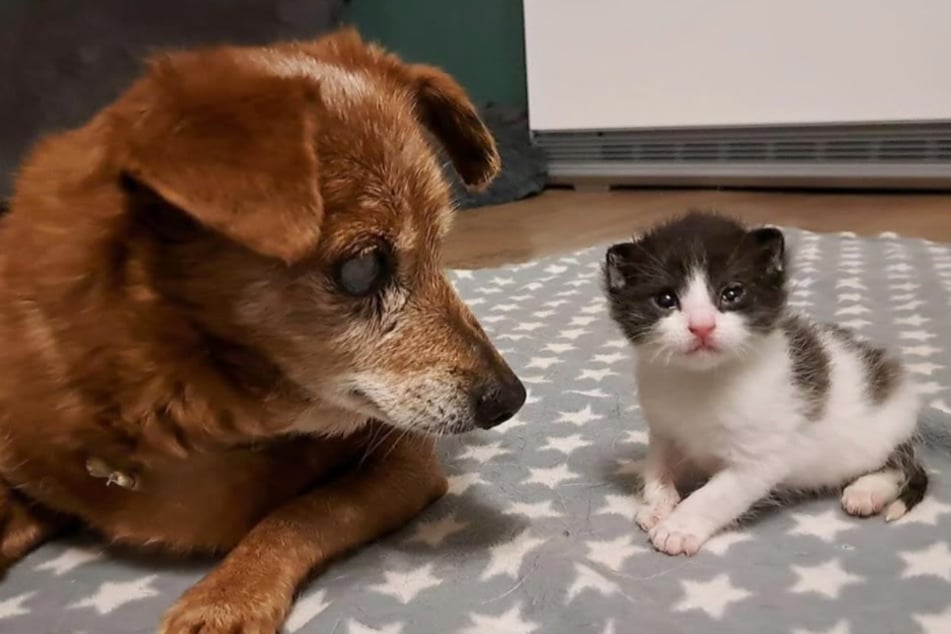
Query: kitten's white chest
[[723, 415]]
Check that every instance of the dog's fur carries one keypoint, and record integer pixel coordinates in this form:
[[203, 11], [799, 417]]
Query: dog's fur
[[168, 307]]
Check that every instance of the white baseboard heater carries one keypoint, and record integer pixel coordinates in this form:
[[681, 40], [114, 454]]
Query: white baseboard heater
[[852, 93]]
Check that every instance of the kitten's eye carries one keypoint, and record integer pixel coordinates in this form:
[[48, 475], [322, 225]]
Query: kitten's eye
[[363, 273], [666, 300], [732, 294]]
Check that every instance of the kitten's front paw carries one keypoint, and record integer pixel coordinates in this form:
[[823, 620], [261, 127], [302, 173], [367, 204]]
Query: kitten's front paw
[[650, 515], [674, 538]]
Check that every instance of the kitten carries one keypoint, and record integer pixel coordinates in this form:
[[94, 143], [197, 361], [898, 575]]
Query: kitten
[[738, 389]]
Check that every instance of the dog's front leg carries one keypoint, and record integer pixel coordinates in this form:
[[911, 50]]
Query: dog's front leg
[[22, 528], [252, 589]]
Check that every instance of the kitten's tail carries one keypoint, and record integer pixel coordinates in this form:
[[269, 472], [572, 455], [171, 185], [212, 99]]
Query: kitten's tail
[[912, 479], [933, 431]]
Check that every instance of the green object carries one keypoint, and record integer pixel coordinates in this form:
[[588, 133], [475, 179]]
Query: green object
[[479, 42]]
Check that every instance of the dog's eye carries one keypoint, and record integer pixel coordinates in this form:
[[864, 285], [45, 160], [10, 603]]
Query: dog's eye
[[363, 273]]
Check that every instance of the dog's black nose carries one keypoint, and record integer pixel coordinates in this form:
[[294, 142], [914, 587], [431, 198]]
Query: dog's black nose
[[498, 401]]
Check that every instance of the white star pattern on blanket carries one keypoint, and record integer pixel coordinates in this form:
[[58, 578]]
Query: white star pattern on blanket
[[305, 609], [587, 579], [14, 606], [484, 453], [713, 596], [551, 476], [567, 444], [70, 559], [579, 418], [510, 622], [537, 510], [435, 532], [826, 579], [537, 533], [356, 627], [613, 553], [405, 586], [112, 595], [460, 483], [936, 623], [928, 512], [624, 505], [825, 526], [934, 560], [506, 558]]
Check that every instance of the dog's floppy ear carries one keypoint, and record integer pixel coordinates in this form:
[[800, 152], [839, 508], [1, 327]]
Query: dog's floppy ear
[[447, 112], [232, 147]]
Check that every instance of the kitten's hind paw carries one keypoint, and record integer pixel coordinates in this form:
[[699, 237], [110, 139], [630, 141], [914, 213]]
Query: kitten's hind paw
[[897, 487], [871, 493]]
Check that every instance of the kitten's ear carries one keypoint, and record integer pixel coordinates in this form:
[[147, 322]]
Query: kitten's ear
[[773, 245], [615, 260]]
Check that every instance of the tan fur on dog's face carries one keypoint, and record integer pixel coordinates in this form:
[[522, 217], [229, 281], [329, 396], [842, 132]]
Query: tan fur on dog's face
[[252, 191]]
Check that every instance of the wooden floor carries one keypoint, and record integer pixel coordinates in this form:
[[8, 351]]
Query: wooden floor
[[562, 220]]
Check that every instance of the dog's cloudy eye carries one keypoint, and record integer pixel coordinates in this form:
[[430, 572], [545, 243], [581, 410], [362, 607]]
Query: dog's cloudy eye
[[731, 294], [666, 300], [363, 273]]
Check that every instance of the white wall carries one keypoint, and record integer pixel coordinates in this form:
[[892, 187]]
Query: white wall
[[668, 63]]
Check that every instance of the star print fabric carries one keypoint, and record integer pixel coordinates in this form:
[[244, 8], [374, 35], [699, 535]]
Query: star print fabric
[[537, 532]]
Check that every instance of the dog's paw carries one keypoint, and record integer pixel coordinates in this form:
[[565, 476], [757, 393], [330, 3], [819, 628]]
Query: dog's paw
[[650, 515], [439, 486], [677, 538], [215, 610], [21, 529]]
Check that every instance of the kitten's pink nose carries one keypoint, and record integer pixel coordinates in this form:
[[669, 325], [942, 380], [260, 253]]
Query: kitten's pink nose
[[701, 329]]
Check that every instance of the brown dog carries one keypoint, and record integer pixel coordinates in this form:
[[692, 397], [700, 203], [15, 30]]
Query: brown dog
[[210, 289]]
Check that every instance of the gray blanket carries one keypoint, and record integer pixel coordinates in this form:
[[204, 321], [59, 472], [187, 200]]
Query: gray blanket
[[537, 533]]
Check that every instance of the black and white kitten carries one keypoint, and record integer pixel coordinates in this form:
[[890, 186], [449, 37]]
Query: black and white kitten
[[737, 389]]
